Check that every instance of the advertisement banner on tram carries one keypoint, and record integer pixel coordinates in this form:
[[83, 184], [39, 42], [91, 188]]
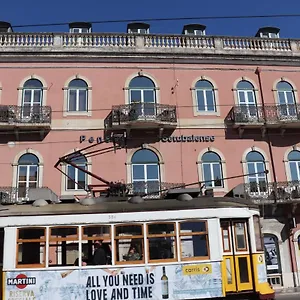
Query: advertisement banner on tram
[[184, 281]]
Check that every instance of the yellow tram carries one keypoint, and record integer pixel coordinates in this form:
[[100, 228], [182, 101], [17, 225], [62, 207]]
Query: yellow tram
[[181, 248]]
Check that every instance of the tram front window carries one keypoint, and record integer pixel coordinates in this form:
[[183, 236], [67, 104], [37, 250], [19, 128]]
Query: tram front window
[[129, 243], [194, 240], [31, 246], [63, 246], [162, 241]]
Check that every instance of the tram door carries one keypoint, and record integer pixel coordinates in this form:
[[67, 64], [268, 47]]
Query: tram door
[[237, 270]]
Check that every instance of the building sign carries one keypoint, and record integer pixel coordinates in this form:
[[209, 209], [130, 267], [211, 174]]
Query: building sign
[[190, 281], [170, 139], [188, 138]]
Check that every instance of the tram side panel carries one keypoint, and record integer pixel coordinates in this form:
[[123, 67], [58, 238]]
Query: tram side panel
[[177, 280]]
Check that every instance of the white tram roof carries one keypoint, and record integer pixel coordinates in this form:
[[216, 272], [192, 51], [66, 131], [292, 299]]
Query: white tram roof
[[122, 205]]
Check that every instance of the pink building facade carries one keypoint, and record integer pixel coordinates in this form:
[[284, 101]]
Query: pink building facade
[[194, 108]]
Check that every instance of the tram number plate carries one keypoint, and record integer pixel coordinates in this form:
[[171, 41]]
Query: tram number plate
[[112, 217]]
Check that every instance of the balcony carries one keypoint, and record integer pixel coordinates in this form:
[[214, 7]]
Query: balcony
[[154, 189], [22, 195], [25, 117], [270, 116], [280, 192], [141, 115]]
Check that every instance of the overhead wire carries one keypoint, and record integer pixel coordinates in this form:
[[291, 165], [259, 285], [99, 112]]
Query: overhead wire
[[165, 19]]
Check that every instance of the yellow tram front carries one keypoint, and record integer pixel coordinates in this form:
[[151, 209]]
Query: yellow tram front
[[159, 249]]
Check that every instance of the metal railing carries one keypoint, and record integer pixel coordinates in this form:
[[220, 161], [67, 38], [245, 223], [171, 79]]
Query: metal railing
[[147, 112], [268, 192], [270, 114], [153, 189], [19, 195], [13, 114]]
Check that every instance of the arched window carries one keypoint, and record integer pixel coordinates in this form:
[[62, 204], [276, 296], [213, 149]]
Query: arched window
[[205, 96], [286, 99], [212, 169], [247, 99], [272, 257], [294, 165], [142, 97], [256, 172], [77, 179], [145, 171], [77, 96], [28, 172], [32, 98]]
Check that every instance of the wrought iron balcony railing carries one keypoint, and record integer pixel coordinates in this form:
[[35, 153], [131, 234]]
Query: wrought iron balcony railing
[[153, 189], [270, 114], [19, 195], [142, 112], [264, 192], [13, 114]]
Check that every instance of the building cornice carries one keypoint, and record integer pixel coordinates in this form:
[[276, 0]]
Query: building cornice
[[115, 48]]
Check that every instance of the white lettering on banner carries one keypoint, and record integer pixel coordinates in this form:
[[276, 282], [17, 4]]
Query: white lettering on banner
[[124, 283]]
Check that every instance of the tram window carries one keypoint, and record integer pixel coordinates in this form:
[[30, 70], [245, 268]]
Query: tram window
[[161, 241], [226, 236], [63, 246], [31, 247], [240, 236], [92, 234], [129, 243], [194, 240], [258, 235]]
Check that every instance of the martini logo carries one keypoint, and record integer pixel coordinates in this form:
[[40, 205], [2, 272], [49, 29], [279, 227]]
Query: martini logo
[[21, 281]]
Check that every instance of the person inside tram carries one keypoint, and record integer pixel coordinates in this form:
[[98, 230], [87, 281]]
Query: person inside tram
[[132, 254], [99, 256], [84, 262], [107, 249]]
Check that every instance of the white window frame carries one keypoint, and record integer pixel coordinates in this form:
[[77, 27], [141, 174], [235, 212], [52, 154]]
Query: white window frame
[[145, 179], [27, 181], [194, 32], [138, 31], [76, 175], [66, 89], [214, 89], [267, 35], [80, 30], [297, 163], [205, 91], [286, 108], [77, 90], [142, 102], [257, 176], [211, 169], [31, 103]]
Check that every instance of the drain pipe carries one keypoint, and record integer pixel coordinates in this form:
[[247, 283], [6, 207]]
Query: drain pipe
[[268, 140], [258, 73]]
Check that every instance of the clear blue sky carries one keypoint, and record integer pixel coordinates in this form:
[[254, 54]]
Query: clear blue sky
[[19, 12]]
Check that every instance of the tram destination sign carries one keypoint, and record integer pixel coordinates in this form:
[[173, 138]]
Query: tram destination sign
[[167, 139]]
